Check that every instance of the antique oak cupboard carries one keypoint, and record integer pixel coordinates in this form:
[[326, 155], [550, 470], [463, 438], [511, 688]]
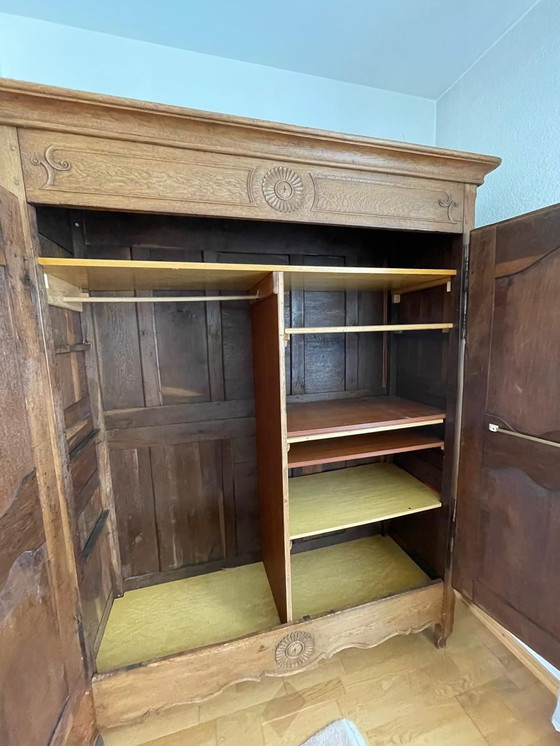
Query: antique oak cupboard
[[264, 395]]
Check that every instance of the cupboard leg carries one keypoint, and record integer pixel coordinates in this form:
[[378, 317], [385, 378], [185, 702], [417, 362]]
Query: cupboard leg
[[443, 630]]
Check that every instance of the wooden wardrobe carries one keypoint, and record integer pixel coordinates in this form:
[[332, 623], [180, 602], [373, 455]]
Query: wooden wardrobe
[[265, 395]]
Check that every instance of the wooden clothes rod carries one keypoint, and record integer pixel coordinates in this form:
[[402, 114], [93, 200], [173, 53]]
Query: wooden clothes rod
[[496, 429], [374, 328], [150, 299]]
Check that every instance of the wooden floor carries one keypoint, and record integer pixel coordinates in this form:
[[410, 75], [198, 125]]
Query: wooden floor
[[402, 692]]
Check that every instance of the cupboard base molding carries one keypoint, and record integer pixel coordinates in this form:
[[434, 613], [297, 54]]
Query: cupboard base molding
[[134, 693], [511, 642]]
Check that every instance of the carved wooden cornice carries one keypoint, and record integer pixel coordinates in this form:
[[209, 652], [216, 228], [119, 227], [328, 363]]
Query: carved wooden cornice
[[40, 107]]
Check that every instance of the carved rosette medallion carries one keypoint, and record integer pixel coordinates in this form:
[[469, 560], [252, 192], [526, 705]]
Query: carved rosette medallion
[[283, 189], [294, 650], [449, 203]]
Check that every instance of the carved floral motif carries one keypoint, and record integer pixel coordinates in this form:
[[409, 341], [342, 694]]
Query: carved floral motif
[[50, 164], [294, 649], [283, 189], [449, 203]]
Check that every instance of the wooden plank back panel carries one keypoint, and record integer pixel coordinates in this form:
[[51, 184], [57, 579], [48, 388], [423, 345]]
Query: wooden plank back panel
[[189, 503], [174, 377], [131, 474], [270, 411]]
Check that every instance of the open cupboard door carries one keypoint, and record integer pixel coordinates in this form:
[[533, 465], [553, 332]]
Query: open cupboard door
[[45, 697], [507, 549]]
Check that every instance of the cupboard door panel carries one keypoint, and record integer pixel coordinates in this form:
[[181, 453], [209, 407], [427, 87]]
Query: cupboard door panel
[[507, 556], [32, 675]]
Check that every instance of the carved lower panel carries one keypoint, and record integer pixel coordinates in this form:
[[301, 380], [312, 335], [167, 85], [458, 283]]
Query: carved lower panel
[[132, 694], [78, 171]]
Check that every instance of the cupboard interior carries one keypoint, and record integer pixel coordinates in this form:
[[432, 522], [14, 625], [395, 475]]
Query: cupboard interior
[[355, 429]]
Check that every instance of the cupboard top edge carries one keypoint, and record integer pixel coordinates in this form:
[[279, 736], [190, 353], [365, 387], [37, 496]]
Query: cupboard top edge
[[32, 105]]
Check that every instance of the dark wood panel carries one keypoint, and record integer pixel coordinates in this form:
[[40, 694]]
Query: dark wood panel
[[246, 495], [189, 571], [21, 525], [83, 463], [526, 348], [324, 356], [189, 503], [84, 496], [183, 351], [526, 239], [173, 414], [184, 432], [31, 658], [71, 378], [118, 350], [509, 536], [90, 513], [427, 466], [237, 237], [96, 588], [197, 360], [480, 304], [520, 528], [17, 459], [134, 505], [32, 667], [95, 578]]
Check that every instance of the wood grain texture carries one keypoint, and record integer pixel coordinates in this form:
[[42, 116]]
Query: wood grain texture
[[334, 500], [270, 410], [98, 577], [29, 635], [91, 152], [514, 484], [31, 105], [80, 171], [332, 450], [29, 317], [107, 494], [473, 694], [28, 625], [121, 275], [131, 694], [324, 418]]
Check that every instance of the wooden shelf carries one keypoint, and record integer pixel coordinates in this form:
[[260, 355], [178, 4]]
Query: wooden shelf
[[171, 617], [349, 574], [375, 328], [334, 500], [122, 275], [331, 450], [342, 417]]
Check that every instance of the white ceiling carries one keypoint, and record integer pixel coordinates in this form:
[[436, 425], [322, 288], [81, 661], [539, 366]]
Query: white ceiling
[[419, 47]]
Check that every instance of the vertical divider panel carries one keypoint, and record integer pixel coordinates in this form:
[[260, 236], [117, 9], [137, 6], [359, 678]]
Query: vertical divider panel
[[270, 411]]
